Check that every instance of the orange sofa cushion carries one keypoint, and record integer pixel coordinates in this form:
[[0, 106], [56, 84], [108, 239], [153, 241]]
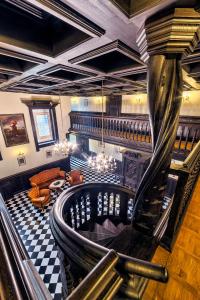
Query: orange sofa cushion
[[44, 178]]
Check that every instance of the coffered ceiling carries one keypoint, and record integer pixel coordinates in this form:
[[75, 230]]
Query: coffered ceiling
[[69, 47]]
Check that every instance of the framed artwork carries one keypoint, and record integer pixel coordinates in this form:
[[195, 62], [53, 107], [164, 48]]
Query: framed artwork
[[14, 129], [21, 159], [49, 153]]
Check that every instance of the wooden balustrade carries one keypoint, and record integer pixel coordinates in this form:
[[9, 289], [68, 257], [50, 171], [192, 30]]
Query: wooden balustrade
[[187, 175], [133, 131], [76, 212]]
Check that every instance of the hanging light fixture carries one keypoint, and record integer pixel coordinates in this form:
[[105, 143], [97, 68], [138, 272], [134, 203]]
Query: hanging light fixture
[[64, 147], [102, 162]]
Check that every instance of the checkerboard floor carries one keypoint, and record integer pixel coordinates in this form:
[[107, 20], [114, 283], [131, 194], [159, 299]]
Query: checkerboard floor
[[33, 227]]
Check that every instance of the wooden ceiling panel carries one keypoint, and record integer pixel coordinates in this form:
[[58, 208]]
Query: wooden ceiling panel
[[110, 58], [38, 31], [52, 47]]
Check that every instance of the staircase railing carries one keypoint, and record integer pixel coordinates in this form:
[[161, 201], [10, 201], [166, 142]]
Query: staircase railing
[[82, 253], [187, 174], [19, 278], [102, 282], [133, 131]]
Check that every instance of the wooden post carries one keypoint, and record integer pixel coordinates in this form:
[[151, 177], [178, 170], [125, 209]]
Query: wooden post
[[162, 42]]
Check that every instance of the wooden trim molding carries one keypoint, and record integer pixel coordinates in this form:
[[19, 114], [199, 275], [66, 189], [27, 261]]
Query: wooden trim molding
[[19, 55], [73, 17], [27, 7]]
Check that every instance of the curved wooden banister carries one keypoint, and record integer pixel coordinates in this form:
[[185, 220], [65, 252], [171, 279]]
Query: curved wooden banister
[[85, 253], [187, 174], [97, 282], [192, 157]]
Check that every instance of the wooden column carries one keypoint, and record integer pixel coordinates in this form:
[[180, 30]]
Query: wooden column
[[162, 42]]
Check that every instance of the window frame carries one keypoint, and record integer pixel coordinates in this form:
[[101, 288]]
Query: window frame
[[43, 104]]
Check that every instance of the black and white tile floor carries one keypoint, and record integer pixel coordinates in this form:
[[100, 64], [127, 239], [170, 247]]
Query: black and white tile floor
[[33, 227]]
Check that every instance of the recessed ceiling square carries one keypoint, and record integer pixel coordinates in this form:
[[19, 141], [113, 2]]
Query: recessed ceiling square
[[37, 30], [65, 73], [40, 81], [137, 77], [110, 58], [110, 62], [15, 64]]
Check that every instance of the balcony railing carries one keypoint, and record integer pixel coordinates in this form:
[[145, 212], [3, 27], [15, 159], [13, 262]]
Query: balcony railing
[[133, 131]]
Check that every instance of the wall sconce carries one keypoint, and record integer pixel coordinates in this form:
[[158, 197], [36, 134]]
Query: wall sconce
[[138, 100], [21, 158], [186, 99]]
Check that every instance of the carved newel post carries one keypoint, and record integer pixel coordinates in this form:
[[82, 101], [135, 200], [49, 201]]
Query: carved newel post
[[162, 43]]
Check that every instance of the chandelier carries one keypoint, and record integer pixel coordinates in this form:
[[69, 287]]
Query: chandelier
[[102, 162], [64, 147]]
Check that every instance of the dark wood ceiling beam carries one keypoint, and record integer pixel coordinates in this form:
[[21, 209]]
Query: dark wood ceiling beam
[[72, 17], [27, 7]]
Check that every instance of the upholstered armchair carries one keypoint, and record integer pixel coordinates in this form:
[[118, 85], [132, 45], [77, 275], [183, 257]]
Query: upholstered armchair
[[39, 197], [75, 177]]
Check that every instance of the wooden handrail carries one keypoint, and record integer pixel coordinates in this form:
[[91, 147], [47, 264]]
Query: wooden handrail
[[98, 281], [85, 253], [133, 130], [187, 174]]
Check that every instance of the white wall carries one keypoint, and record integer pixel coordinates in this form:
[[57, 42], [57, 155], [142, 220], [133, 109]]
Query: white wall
[[10, 103], [137, 104], [93, 104], [134, 104]]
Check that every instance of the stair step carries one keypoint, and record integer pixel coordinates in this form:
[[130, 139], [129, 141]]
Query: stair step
[[109, 226], [94, 236], [102, 239], [133, 243], [101, 229]]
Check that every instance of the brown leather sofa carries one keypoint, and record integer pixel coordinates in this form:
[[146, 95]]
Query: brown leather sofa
[[75, 177], [44, 178]]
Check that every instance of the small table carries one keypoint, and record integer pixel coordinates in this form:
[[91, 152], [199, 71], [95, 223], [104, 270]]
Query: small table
[[56, 185]]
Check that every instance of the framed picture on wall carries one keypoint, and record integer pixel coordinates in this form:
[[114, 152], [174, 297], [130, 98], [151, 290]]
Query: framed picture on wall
[[49, 153], [21, 159], [14, 129]]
